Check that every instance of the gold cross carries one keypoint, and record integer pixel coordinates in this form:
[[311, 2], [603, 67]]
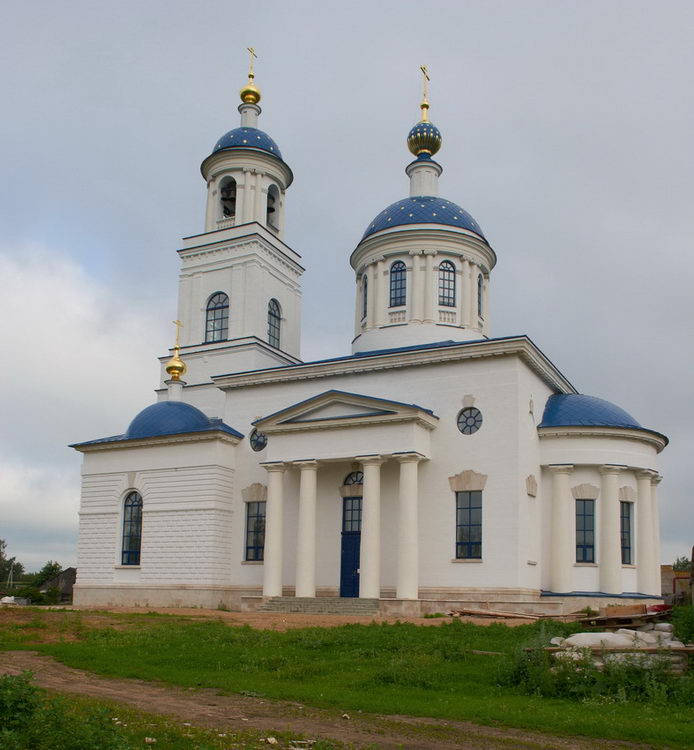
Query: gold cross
[[425, 80], [178, 325], [250, 71]]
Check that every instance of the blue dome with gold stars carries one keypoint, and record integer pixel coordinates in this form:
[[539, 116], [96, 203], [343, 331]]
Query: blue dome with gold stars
[[425, 209], [247, 138], [424, 138]]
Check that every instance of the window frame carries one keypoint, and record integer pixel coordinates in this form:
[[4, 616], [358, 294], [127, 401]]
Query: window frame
[[215, 313], [131, 529], [398, 284], [626, 535], [585, 551], [470, 548], [447, 284], [254, 539], [274, 323]]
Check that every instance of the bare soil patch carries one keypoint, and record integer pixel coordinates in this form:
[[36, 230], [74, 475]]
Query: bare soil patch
[[207, 708]]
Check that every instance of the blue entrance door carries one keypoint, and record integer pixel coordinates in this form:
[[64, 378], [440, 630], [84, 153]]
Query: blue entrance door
[[351, 539]]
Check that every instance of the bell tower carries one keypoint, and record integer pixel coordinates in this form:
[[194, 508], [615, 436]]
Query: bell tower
[[239, 298]]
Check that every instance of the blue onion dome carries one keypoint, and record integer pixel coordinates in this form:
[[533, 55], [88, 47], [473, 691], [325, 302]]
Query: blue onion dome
[[579, 410], [425, 209], [172, 418], [424, 138], [247, 138]]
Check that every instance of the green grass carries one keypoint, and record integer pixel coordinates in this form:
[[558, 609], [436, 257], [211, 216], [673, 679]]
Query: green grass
[[394, 668], [397, 668], [31, 719]]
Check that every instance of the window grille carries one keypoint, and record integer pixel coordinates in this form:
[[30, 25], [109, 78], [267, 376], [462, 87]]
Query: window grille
[[468, 525], [217, 322]]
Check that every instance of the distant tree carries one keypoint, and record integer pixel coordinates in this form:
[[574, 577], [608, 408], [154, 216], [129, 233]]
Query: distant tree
[[682, 564], [9, 563], [50, 569]]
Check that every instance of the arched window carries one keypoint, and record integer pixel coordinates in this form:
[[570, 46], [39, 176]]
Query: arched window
[[447, 284], [398, 284], [355, 477], [274, 319], [480, 285], [217, 322], [364, 295], [132, 529], [227, 198], [272, 218]]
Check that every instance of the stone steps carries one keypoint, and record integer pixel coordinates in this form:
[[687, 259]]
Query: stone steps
[[323, 605]]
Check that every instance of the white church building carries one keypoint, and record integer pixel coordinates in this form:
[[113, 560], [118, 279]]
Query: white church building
[[435, 466]]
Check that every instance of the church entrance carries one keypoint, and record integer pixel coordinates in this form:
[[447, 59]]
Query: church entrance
[[351, 540]]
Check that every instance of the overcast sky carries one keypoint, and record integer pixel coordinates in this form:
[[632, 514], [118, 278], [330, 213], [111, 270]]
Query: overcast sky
[[567, 133]]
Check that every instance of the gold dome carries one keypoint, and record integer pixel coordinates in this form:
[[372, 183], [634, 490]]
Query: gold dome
[[176, 366], [250, 93]]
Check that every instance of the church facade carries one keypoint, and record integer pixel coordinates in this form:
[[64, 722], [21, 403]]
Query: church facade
[[435, 466]]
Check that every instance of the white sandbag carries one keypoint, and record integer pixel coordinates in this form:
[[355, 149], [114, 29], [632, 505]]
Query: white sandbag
[[600, 640]]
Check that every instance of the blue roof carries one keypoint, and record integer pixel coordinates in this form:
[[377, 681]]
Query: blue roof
[[425, 209], [247, 138], [168, 418], [579, 410]]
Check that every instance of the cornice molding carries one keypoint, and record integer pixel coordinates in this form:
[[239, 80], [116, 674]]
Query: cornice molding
[[224, 437], [623, 433], [521, 347]]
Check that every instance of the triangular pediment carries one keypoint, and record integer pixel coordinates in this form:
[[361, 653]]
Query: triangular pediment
[[341, 409]]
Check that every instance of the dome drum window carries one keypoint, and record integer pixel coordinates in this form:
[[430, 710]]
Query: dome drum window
[[446, 284], [398, 284], [469, 420]]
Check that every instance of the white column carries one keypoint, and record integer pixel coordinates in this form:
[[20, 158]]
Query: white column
[[474, 317], [260, 216], [464, 294], [272, 566], [485, 307], [408, 528], [562, 541], [370, 549], [358, 303], [380, 295], [244, 198], [306, 537], [655, 481], [210, 213], [415, 288], [610, 550], [429, 286], [645, 554], [371, 307]]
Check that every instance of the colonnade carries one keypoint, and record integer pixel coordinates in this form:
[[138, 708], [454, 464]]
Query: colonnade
[[608, 545], [407, 584], [422, 293]]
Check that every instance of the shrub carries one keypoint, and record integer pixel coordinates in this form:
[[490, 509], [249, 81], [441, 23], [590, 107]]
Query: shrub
[[638, 678], [683, 623]]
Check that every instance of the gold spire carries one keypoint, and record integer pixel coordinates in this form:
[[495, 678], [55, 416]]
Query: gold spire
[[424, 106], [250, 93], [176, 366]]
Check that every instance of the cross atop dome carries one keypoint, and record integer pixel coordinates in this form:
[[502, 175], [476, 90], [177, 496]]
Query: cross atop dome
[[424, 140]]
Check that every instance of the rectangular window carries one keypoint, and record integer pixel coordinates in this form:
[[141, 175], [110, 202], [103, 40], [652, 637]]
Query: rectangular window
[[468, 525], [585, 531], [255, 530], [625, 528]]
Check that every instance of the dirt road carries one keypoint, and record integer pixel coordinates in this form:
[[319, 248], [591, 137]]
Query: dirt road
[[206, 708]]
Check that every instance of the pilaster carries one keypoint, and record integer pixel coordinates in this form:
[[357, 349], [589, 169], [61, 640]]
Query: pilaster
[[408, 528], [562, 544]]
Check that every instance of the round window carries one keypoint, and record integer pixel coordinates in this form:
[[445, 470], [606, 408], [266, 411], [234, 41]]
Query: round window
[[469, 420], [258, 440]]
